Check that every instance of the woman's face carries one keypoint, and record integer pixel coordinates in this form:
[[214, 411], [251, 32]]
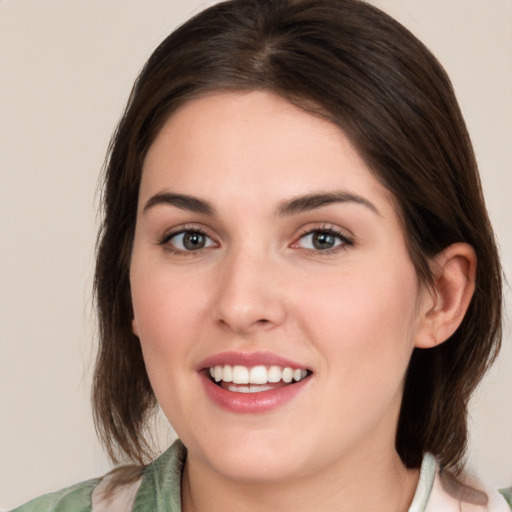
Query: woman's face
[[265, 250]]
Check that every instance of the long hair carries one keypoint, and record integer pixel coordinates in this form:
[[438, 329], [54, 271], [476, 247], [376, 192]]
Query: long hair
[[354, 65]]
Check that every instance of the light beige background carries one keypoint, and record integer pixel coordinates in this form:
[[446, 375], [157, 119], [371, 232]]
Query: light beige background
[[66, 70]]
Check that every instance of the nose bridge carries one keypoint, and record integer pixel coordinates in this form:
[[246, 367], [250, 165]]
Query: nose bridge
[[248, 295]]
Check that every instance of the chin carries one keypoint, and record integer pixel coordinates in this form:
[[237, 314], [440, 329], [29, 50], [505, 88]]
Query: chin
[[256, 468], [252, 458]]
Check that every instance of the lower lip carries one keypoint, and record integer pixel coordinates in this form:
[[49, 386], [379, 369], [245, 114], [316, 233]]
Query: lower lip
[[252, 403]]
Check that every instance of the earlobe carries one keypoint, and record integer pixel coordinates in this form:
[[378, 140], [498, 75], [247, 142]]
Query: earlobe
[[134, 327], [454, 284]]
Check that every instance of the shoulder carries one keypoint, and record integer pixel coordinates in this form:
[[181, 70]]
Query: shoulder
[[160, 489], [507, 494], [76, 498], [157, 490], [449, 493], [441, 491]]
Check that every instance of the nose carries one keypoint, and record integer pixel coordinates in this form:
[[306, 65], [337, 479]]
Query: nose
[[249, 296]]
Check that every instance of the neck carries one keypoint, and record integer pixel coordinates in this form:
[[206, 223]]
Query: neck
[[370, 484]]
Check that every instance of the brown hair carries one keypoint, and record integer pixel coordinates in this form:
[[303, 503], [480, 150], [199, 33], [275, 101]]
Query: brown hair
[[353, 64]]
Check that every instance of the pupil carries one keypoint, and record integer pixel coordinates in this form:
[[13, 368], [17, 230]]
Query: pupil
[[193, 241], [323, 240]]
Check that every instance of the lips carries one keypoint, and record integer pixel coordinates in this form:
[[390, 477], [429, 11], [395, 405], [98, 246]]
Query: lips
[[251, 383]]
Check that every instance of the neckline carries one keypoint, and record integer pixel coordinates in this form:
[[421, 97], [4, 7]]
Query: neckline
[[166, 472]]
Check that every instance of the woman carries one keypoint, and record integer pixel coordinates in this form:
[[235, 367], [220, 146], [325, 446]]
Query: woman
[[296, 264]]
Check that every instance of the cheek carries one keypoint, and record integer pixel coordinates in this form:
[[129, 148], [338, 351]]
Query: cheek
[[364, 320], [165, 314], [166, 311]]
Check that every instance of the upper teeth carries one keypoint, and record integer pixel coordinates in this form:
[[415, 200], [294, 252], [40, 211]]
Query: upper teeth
[[256, 374]]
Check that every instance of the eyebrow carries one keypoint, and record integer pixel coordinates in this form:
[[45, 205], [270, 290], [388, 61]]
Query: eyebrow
[[182, 201], [313, 201], [289, 207]]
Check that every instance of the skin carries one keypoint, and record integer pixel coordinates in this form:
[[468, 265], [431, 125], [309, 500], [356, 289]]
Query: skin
[[352, 315]]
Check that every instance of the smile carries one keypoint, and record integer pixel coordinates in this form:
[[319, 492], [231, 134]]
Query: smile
[[252, 383], [244, 379]]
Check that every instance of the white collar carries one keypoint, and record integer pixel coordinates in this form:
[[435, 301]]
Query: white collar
[[433, 493]]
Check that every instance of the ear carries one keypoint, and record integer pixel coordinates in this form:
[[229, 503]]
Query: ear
[[454, 283], [134, 327]]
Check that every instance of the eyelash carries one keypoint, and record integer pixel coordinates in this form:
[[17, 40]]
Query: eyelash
[[167, 237], [346, 242]]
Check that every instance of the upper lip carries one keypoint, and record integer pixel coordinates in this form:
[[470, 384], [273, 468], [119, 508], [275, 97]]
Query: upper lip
[[249, 359]]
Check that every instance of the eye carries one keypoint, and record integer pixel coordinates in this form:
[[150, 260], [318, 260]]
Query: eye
[[188, 241], [325, 240]]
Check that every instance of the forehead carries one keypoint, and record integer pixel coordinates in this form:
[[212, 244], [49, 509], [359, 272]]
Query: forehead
[[253, 146]]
